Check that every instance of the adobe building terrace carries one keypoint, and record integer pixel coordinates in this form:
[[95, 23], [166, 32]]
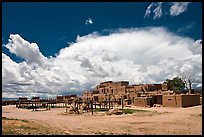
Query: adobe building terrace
[[146, 95]]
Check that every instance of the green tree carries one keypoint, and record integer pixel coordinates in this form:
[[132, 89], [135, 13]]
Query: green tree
[[176, 83]]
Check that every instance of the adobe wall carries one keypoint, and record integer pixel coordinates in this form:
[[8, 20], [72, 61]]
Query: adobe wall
[[102, 97], [129, 89], [181, 100], [143, 101], [190, 100], [122, 83], [133, 88], [150, 87], [121, 90], [157, 99], [138, 88], [172, 101], [117, 97], [158, 86], [106, 83], [114, 89]]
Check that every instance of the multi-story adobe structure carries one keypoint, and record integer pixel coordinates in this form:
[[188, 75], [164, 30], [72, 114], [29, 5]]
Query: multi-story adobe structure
[[116, 91], [140, 95]]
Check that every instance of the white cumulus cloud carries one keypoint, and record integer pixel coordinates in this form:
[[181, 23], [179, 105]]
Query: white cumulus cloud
[[178, 8], [148, 10], [175, 9], [139, 55], [157, 10], [28, 51]]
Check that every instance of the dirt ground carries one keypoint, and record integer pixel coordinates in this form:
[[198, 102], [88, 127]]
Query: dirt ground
[[157, 121]]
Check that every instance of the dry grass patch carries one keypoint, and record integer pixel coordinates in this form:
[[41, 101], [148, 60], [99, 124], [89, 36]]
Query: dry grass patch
[[12, 126]]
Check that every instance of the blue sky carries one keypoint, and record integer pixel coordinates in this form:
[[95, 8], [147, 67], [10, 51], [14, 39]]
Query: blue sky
[[51, 48]]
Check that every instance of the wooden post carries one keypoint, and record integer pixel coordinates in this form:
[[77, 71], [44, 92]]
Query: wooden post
[[48, 105], [87, 105], [35, 104], [115, 102], [19, 104], [65, 106], [32, 105], [106, 100], [122, 102], [77, 106], [92, 106], [109, 101]]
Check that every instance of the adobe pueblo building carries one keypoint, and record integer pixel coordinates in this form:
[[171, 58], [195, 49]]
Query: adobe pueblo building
[[146, 95], [111, 94]]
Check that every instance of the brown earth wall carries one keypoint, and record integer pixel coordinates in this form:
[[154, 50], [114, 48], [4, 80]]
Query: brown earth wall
[[190, 100], [172, 101], [142, 101]]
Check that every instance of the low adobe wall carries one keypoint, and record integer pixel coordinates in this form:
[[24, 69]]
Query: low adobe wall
[[190, 100], [181, 100], [172, 101], [143, 101]]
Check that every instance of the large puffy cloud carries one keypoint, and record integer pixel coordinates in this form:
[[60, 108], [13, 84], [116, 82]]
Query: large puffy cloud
[[139, 55], [28, 51]]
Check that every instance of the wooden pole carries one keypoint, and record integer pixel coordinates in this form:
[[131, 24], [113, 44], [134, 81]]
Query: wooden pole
[[77, 106], [87, 106], [92, 106], [35, 105], [122, 102], [109, 101], [65, 106], [19, 104], [32, 106]]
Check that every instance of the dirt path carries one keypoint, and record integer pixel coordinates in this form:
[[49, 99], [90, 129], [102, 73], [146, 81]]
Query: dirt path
[[159, 121]]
